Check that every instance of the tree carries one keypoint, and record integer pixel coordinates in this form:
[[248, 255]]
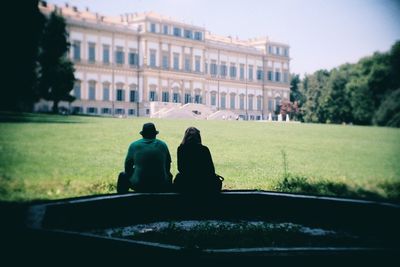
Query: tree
[[388, 113], [313, 86], [57, 72], [334, 97], [21, 53], [289, 108]]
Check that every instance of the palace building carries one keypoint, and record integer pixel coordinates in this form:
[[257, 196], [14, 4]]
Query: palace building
[[150, 65]]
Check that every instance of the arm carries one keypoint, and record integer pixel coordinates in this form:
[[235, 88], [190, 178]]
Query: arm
[[129, 162], [168, 165], [180, 159], [209, 160]]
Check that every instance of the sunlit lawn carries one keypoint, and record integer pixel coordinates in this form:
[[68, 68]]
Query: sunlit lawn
[[48, 157]]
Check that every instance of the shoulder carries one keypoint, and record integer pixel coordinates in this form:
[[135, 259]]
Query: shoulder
[[161, 142], [135, 143], [205, 148]]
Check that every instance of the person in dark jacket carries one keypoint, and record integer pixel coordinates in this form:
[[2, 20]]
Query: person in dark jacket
[[195, 166], [147, 164]]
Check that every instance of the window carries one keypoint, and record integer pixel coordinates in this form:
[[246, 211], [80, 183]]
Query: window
[[213, 99], [176, 98], [120, 111], [165, 29], [197, 64], [176, 61], [177, 32], [91, 110], [241, 102], [198, 36], [270, 105], [242, 71], [286, 52], [188, 98], [260, 74], [187, 63], [92, 90], [153, 96], [119, 56], [250, 102], [120, 95], [106, 54], [278, 51], [106, 92], [188, 34], [92, 52], [152, 58], [285, 77], [133, 59], [197, 99], [223, 70], [232, 105], [270, 76], [250, 72], [277, 103], [277, 76], [132, 96], [232, 71], [153, 27], [132, 112], [223, 101], [259, 103], [165, 61], [270, 49], [106, 111], [76, 47], [77, 90], [77, 110], [165, 97], [213, 68]]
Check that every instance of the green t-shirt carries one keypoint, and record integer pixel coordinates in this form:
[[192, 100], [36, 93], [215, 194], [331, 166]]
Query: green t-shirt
[[148, 163]]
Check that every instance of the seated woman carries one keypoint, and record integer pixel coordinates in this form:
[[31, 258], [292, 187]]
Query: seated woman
[[195, 166]]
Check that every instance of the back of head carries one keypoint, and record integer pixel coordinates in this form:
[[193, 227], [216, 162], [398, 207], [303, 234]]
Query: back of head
[[192, 136], [149, 131]]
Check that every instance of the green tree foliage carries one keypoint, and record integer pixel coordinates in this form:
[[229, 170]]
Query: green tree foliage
[[361, 93], [56, 71], [388, 113], [21, 54], [312, 108]]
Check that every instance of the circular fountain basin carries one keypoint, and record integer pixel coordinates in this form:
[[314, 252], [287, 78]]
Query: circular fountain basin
[[230, 228]]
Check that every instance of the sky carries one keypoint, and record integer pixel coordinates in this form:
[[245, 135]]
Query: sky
[[322, 34]]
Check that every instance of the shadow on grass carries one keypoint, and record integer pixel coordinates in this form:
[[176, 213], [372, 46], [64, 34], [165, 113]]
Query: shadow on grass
[[37, 118], [299, 184]]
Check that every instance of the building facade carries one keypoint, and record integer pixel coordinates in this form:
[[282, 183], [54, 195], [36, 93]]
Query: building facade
[[150, 65]]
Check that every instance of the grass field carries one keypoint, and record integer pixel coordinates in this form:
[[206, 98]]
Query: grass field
[[49, 156]]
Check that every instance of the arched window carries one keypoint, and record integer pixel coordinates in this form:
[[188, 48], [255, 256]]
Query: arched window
[[133, 94], [232, 101], [77, 89], [92, 90], [120, 92], [106, 91]]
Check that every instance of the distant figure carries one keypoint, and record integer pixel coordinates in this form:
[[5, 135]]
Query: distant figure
[[195, 166], [147, 164]]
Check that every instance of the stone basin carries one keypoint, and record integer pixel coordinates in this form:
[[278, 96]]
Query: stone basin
[[86, 228]]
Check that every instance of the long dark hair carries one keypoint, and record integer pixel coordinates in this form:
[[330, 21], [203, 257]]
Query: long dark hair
[[192, 136]]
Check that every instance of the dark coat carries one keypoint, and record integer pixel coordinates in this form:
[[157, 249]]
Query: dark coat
[[196, 169]]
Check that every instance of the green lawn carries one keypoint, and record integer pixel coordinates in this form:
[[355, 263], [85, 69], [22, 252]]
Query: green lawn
[[49, 157]]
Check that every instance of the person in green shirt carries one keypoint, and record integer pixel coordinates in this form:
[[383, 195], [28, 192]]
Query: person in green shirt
[[147, 164]]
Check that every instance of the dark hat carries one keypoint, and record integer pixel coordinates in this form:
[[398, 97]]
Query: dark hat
[[149, 129]]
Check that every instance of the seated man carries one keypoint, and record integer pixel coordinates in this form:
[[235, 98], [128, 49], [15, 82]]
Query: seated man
[[147, 164]]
